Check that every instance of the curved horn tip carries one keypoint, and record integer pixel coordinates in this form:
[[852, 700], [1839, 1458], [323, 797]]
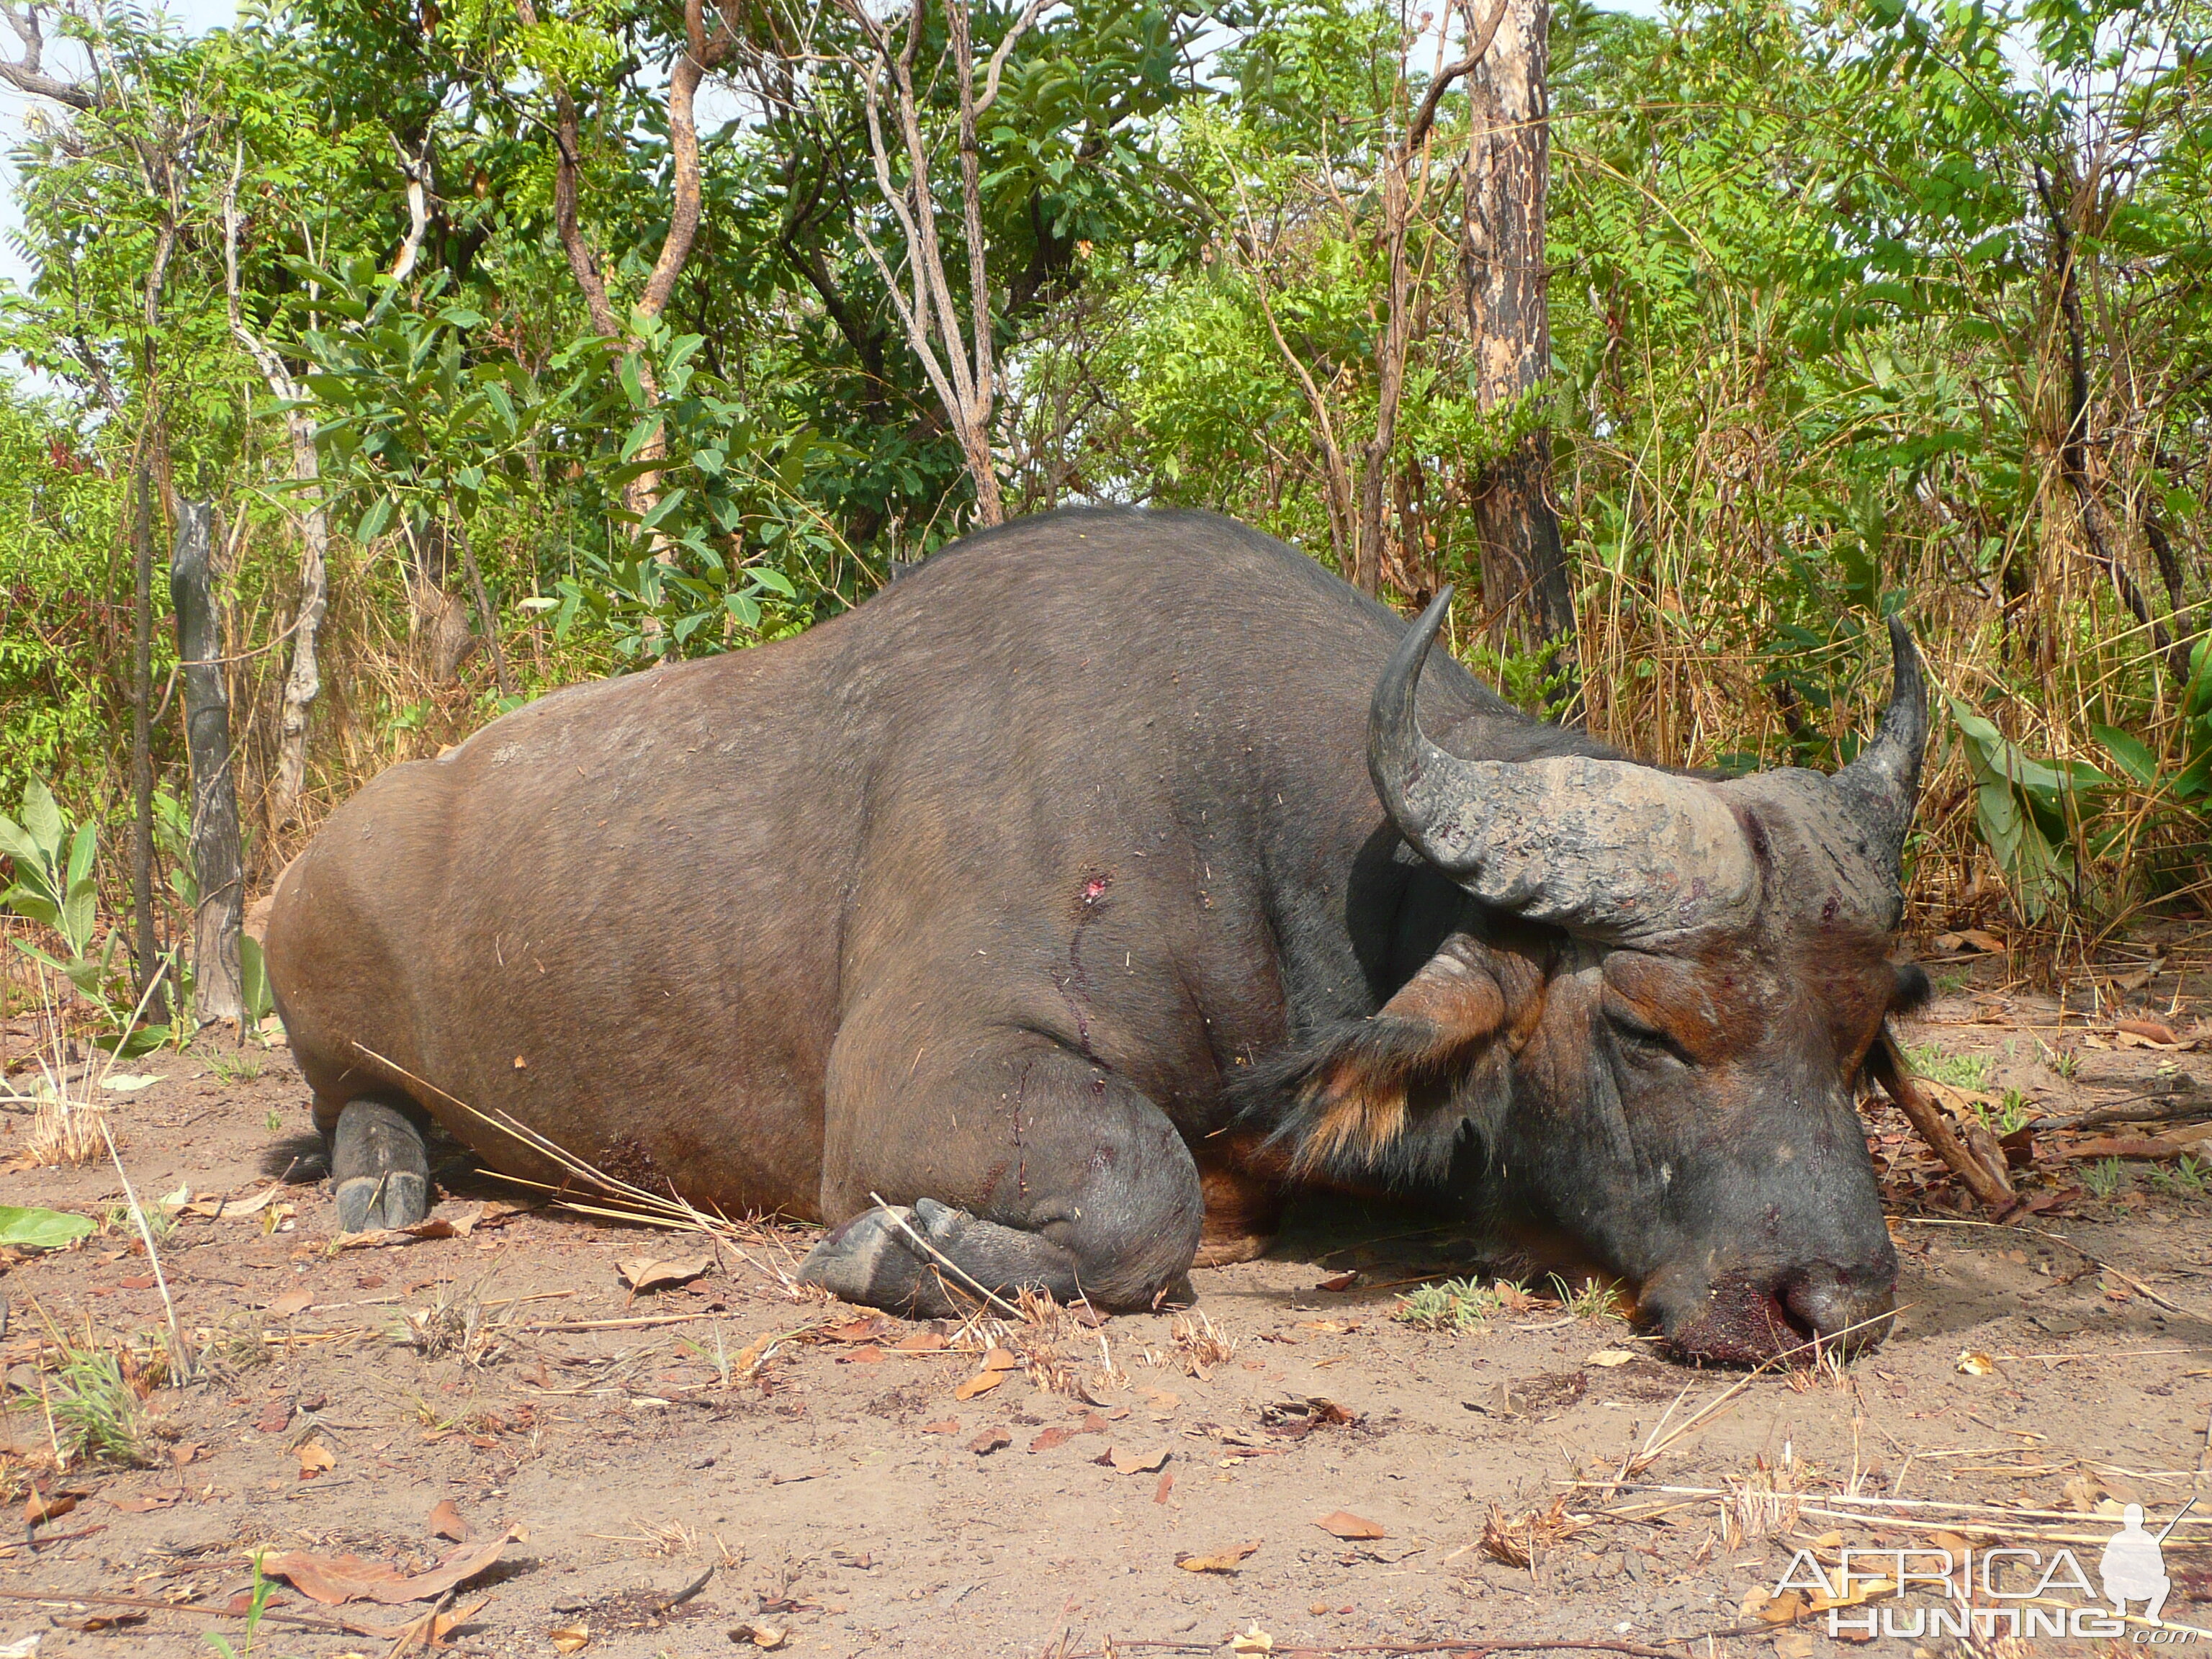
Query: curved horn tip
[[1394, 741]]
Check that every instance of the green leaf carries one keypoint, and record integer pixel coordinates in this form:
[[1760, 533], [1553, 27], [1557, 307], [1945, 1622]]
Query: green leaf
[[2132, 754], [81, 854], [253, 979], [43, 818], [41, 1230], [373, 521]]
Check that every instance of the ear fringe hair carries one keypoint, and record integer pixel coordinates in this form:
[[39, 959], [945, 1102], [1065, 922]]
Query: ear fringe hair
[[1343, 1104]]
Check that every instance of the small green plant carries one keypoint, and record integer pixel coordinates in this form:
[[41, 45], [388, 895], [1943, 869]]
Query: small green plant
[[1592, 1299], [1950, 984], [1956, 1071], [2012, 1114], [1456, 1304], [2106, 1177], [255, 1608], [276, 1122], [2186, 1179], [97, 1412], [2067, 1062], [242, 1066]]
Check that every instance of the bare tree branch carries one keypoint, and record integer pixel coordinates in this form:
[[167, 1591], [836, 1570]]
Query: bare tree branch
[[28, 74]]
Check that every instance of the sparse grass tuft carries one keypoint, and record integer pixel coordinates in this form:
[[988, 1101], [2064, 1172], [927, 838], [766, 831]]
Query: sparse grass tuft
[[1456, 1305], [1958, 1071], [2105, 1178], [1593, 1299], [241, 1065], [2186, 1179], [98, 1414]]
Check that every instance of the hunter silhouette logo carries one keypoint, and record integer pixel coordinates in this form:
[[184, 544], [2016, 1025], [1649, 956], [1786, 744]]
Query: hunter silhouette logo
[[2133, 1565]]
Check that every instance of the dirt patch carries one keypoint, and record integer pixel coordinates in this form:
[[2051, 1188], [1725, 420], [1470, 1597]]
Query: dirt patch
[[847, 1500]]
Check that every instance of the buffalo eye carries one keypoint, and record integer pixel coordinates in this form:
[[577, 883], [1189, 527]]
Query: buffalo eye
[[1641, 1040], [1913, 989]]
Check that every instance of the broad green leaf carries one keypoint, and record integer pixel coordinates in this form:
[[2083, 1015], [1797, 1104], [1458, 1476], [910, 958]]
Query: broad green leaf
[[2133, 755], [42, 1229]]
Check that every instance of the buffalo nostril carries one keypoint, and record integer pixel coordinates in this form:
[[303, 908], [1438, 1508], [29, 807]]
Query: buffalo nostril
[[1826, 1300]]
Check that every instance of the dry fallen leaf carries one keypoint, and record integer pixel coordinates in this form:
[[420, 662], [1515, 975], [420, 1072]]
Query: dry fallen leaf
[[447, 1522], [315, 1459], [1222, 1560], [1979, 939], [292, 1302], [1343, 1281], [645, 1274], [42, 1507], [1786, 1608], [334, 1580], [1346, 1525], [91, 1623], [1001, 1359], [1133, 1460], [982, 1382], [1160, 1493], [146, 1502], [1611, 1357], [950, 1425], [2151, 1030], [1973, 1363], [761, 1636], [920, 1342], [989, 1441], [854, 1330], [1254, 1640], [572, 1639], [1056, 1436]]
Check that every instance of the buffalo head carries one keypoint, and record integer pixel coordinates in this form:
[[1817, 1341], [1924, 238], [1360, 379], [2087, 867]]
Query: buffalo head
[[1642, 1042]]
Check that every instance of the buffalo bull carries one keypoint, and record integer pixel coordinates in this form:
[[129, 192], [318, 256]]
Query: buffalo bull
[[1047, 896]]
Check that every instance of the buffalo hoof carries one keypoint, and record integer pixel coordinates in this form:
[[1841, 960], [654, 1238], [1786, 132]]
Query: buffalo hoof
[[379, 1169], [849, 1261]]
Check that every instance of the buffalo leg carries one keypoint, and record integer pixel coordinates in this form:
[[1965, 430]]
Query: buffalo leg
[[380, 1168], [1063, 1179]]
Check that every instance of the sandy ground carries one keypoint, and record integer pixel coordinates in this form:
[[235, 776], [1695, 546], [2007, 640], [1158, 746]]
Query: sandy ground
[[848, 1502]]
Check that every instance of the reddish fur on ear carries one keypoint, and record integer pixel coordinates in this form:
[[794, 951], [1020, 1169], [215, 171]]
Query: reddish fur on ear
[[1356, 1095]]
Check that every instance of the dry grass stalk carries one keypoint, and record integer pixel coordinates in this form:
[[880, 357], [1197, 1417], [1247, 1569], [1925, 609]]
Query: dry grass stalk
[[1764, 1503], [1201, 1345], [458, 1322], [1518, 1539]]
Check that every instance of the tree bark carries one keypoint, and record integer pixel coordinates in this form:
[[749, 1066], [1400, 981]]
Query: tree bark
[[1398, 207], [303, 680], [144, 946], [1525, 590], [217, 864]]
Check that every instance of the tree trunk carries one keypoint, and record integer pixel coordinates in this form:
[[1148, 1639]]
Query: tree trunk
[[303, 681], [217, 864], [1526, 592], [144, 945]]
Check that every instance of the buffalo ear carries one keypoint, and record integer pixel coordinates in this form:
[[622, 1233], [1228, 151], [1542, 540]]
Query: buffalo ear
[[1913, 992], [1353, 1088]]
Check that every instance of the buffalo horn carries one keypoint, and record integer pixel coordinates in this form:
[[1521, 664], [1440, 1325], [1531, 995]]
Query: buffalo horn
[[1603, 847], [1882, 784]]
